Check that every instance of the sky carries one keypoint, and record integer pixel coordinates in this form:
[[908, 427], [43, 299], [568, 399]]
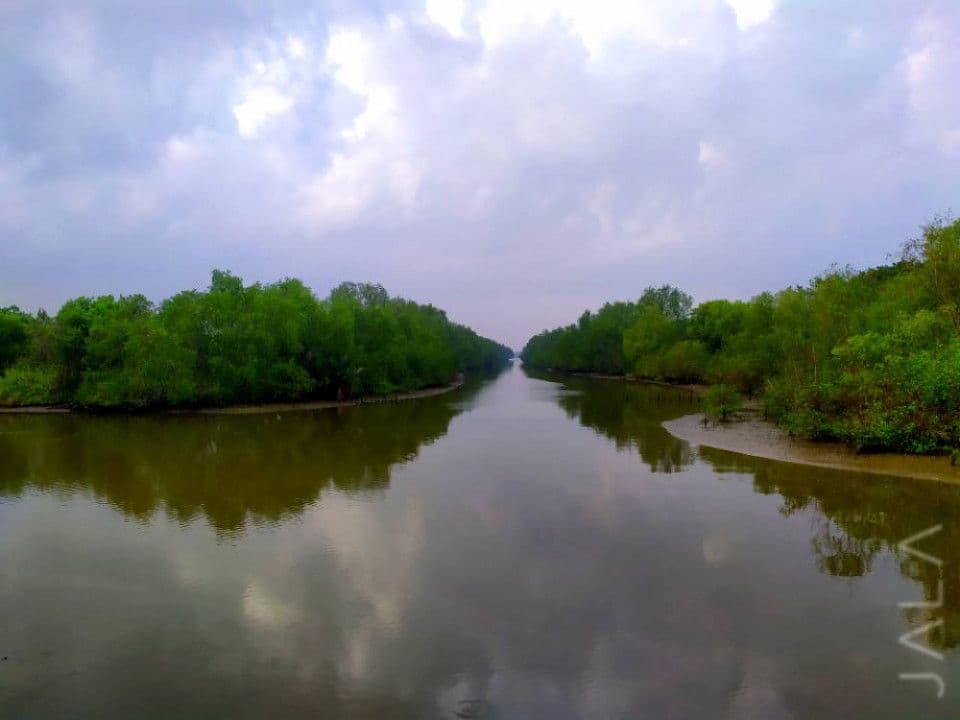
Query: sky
[[513, 163]]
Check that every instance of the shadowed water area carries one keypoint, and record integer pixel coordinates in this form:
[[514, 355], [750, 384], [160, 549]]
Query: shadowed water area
[[524, 547]]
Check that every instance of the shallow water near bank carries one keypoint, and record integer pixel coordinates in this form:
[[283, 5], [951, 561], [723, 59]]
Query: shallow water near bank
[[751, 435], [525, 547]]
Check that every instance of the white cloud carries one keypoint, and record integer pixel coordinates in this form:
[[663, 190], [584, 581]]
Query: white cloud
[[596, 22], [297, 48], [260, 105], [180, 151], [711, 156], [375, 167], [348, 52], [448, 14], [349, 56], [751, 13], [340, 192], [277, 76]]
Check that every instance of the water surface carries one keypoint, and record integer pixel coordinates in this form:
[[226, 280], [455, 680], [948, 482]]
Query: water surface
[[520, 548]]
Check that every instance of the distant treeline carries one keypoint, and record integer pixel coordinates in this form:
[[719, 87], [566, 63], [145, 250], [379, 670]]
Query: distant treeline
[[871, 358], [234, 344]]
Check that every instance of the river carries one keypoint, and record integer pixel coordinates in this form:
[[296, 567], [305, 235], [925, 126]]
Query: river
[[523, 547]]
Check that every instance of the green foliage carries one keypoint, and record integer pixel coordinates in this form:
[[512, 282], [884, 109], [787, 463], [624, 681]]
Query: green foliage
[[597, 343], [936, 253], [646, 338], [25, 385], [871, 358], [234, 344], [14, 335], [721, 402]]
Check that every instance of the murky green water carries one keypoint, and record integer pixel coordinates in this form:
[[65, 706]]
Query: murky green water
[[518, 549]]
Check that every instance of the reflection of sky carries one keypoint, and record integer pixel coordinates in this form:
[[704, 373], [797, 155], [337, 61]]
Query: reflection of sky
[[520, 560]]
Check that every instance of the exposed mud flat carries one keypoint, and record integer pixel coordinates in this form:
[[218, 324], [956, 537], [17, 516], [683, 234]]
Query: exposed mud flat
[[754, 436]]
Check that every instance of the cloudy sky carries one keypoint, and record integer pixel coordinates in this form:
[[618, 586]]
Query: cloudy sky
[[512, 162]]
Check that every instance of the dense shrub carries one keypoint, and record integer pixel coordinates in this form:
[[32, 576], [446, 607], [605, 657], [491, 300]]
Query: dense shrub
[[722, 402], [25, 385], [234, 344], [871, 358]]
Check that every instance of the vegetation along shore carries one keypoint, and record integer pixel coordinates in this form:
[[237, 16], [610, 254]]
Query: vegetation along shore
[[870, 358], [235, 345]]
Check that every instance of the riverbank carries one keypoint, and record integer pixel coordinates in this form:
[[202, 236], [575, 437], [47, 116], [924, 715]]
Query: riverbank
[[255, 408], [696, 389], [754, 436], [321, 404], [35, 410]]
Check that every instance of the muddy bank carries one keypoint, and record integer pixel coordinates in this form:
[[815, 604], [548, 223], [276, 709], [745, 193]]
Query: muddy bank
[[34, 410], [754, 436], [251, 409], [322, 404], [690, 387], [694, 389]]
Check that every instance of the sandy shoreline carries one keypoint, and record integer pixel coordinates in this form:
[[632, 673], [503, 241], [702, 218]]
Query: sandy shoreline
[[249, 409], [759, 438]]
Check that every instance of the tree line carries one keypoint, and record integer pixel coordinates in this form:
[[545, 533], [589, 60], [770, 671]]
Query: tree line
[[868, 357], [234, 344]]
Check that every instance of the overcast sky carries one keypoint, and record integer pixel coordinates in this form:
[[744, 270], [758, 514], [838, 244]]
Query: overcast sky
[[512, 162]]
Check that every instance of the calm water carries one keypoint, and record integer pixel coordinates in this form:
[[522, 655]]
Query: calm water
[[523, 548]]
